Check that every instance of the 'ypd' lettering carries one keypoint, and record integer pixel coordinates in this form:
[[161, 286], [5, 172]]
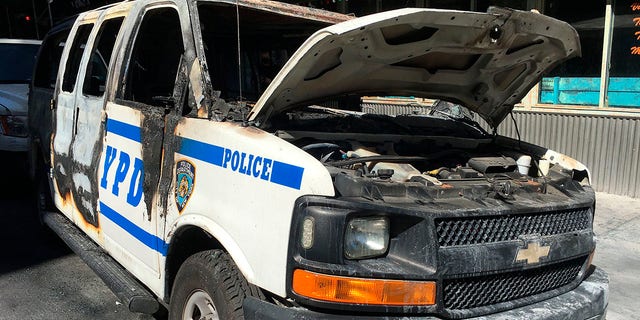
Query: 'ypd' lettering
[[135, 187], [123, 169], [248, 164]]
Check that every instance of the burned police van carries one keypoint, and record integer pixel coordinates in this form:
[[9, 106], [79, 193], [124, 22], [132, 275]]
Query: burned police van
[[215, 158]]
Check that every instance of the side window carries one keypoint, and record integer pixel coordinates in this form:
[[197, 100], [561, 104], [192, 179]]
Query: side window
[[155, 58], [98, 66], [49, 60], [73, 61]]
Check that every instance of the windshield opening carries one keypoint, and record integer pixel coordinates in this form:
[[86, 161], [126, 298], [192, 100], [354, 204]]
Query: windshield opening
[[383, 115], [267, 40]]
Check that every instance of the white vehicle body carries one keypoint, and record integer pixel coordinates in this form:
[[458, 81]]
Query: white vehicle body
[[140, 165]]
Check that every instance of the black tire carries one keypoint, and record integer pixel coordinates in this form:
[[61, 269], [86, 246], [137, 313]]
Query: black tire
[[213, 277]]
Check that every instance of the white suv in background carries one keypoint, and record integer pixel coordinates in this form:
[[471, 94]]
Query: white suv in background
[[17, 58]]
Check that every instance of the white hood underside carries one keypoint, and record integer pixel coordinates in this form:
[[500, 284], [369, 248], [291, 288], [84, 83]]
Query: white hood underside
[[485, 61]]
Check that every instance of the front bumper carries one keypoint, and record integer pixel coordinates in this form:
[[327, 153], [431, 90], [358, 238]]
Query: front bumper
[[587, 301]]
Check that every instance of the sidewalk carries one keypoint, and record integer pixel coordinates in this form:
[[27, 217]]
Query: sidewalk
[[617, 227]]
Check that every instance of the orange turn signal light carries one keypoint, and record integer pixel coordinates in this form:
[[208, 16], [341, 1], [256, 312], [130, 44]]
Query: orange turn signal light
[[362, 290]]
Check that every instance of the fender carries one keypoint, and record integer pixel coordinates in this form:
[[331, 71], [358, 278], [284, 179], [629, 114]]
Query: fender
[[567, 162], [215, 230], [554, 157]]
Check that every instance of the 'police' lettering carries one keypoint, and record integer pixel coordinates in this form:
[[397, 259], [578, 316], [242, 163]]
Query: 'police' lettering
[[248, 164]]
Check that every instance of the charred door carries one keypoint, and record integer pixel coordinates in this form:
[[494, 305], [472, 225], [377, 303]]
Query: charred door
[[131, 163]]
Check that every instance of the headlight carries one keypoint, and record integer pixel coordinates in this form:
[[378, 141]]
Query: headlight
[[306, 239], [366, 237], [14, 126]]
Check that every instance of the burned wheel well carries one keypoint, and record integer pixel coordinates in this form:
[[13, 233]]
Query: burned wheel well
[[187, 241]]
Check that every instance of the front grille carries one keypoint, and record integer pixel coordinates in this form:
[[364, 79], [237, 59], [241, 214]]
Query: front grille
[[465, 231], [466, 293]]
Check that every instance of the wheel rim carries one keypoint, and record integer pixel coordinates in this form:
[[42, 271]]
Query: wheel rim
[[200, 306]]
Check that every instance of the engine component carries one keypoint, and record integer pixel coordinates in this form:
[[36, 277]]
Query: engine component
[[492, 164], [385, 173], [468, 173]]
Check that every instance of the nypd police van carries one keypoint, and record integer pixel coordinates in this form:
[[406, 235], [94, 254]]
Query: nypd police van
[[217, 158]]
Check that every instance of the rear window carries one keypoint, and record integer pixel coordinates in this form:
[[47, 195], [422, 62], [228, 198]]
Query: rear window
[[16, 62], [49, 60], [73, 61]]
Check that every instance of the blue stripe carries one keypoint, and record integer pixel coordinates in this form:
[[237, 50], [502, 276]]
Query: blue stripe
[[286, 174], [202, 151], [146, 238], [124, 130]]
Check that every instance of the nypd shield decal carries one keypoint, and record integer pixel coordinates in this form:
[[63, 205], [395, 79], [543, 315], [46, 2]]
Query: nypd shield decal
[[185, 182]]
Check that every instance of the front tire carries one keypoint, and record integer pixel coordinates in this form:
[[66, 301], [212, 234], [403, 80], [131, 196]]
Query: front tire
[[209, 286]]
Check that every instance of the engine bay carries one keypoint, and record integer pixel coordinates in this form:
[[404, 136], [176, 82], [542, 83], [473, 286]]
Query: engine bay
[[396, 160], [426, 168]]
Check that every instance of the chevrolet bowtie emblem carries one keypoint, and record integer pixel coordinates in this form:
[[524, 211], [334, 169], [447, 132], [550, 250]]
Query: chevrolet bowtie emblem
[[532, 253]]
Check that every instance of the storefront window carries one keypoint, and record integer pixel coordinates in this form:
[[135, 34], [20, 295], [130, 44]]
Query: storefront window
[[577, 81], [624, 81]]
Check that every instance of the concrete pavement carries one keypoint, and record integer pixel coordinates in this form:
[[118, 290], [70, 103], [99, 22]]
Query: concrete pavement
[[617, 226], [40, 278]]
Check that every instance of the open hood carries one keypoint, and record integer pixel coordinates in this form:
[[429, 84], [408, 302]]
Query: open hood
[[484, 61]]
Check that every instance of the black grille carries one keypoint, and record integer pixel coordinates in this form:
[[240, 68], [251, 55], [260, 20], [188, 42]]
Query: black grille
[[465, 231], [475, 292]]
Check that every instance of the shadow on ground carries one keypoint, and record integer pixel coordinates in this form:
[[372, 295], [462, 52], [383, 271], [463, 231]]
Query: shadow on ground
[[26, 242], [40, 278]]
